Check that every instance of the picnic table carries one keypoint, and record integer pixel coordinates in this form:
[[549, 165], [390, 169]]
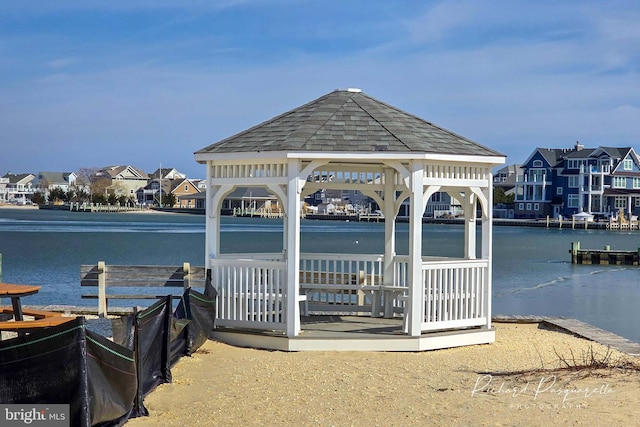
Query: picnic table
[[15, 292], [42, 318]]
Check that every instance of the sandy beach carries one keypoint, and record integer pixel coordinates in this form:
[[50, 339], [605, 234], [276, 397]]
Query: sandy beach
[[516, 381]]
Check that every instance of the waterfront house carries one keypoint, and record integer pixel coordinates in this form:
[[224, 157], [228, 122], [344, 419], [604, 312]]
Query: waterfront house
[[183, 189], [154, 191], [123, 180], [17, 188], [442, 301], [563, 182], [45, 182]]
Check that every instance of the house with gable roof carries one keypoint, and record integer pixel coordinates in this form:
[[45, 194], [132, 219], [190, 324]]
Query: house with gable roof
[[183, 189], [563, 182], [16, 188], [122, 180], [609, 181], [536, 190], [65, 181]]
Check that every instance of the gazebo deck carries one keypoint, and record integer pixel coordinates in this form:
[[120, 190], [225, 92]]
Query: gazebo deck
[[353, 333]]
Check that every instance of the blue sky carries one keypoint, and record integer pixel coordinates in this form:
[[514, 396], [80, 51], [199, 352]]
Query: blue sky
[[143, 82]]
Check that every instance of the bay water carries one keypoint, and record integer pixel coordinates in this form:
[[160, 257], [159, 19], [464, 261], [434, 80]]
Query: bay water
[[532, 270]]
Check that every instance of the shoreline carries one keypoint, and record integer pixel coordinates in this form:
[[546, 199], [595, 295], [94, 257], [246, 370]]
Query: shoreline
[[500, 222], [518, 380]]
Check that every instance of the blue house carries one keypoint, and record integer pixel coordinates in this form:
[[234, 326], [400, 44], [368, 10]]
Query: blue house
[[561, 182]]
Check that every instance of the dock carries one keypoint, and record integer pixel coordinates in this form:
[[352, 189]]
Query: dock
[[580, 329], [605, 256]]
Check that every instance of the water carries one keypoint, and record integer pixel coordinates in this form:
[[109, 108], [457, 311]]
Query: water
[[532, 270]]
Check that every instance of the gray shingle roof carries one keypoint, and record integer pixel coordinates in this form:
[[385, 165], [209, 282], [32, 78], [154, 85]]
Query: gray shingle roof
[[348, 121]]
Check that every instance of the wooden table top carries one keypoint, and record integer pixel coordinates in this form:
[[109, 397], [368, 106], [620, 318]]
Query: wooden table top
[[13, 290]]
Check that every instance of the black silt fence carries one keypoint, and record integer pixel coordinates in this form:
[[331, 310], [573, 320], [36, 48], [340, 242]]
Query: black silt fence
[[105, 382]]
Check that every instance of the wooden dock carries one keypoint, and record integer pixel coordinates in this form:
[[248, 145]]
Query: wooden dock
[[604, 256], [580, 329]]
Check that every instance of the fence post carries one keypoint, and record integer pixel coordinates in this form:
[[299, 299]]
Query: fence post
[[186, 275], [102, 291]]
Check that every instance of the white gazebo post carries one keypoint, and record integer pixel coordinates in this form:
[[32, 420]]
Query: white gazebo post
[[416, 285], [487, 242], [292, 249], [469, 225], [389, 211]]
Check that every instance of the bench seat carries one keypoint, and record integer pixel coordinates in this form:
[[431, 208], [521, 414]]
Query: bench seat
[[32, 325], [38, 314]]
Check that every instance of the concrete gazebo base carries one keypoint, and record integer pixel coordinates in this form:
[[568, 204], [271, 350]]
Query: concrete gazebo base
[[352, 333]]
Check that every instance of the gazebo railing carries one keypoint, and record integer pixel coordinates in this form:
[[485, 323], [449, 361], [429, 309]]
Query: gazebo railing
[[252, 290], [252, 293], [455, 293]]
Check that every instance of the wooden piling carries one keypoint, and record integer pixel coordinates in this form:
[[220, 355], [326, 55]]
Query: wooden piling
[[575, 248]]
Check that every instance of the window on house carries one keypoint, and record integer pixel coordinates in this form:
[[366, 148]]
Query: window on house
[[536, 206], [537, 163], [521, 206], [186, 188], [572, 164], [619, 182], [559, 191], [620, 202], [636, 182], [637, 201], [528, 206], [573, 200], [628, 164], [574, 181]]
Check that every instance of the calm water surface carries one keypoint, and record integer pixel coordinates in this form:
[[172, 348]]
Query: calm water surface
[[532, 272]]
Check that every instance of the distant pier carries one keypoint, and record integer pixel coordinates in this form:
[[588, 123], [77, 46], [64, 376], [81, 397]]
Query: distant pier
[[604, 256]]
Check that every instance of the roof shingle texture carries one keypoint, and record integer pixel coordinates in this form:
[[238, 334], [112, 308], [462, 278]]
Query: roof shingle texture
[[346, 121]]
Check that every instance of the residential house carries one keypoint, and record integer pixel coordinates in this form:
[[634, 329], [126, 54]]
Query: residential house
[[17, 188], [250, 199], [167, 173], [65, 181], [122, 180], [563, 182], [505, 178], [152, 193], [164, 181], [183, 190], [540, 189], [608, 181]]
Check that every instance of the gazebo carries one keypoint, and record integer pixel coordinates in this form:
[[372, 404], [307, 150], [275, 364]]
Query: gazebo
[[348, 140]]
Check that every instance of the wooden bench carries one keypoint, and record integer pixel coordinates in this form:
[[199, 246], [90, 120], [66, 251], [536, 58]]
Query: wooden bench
[[37, 314], [33, 325], [332, 292], [43, 319], [137, 276]]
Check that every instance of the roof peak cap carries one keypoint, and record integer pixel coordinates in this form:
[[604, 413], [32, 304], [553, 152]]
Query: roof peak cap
[[354, 90]]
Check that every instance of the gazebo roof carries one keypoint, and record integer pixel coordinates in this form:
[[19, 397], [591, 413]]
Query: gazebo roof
[[348, 121]]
